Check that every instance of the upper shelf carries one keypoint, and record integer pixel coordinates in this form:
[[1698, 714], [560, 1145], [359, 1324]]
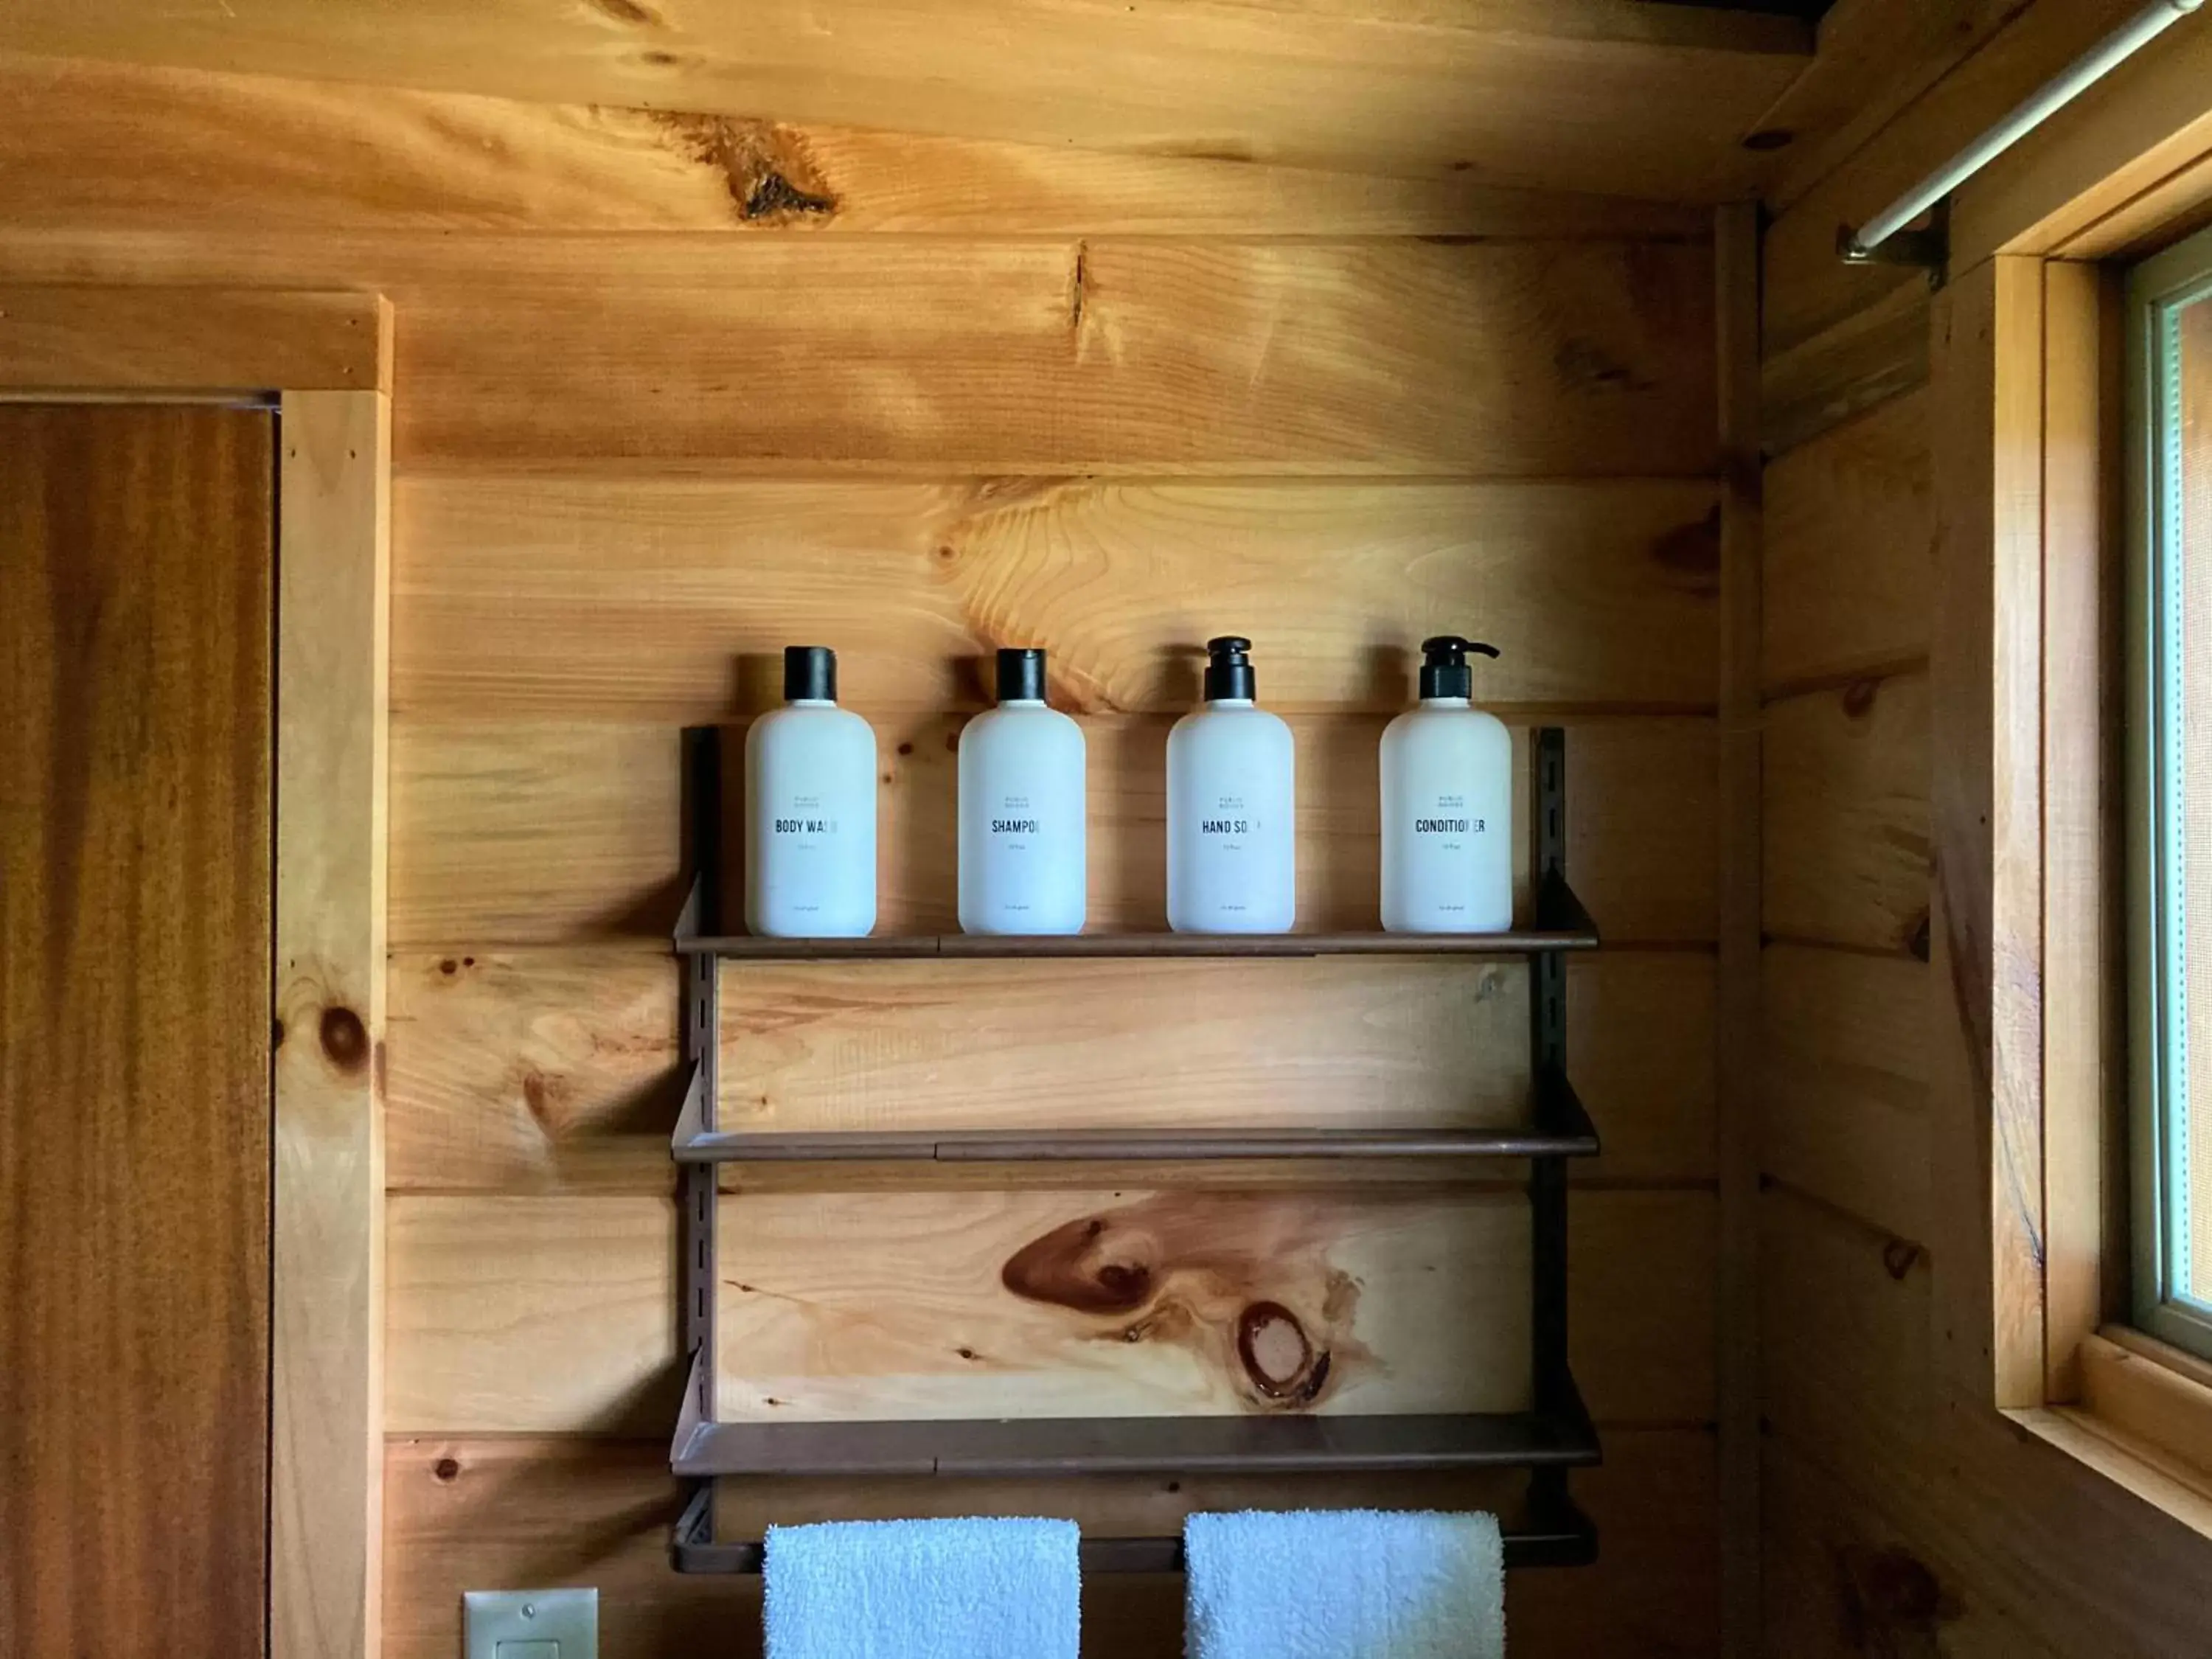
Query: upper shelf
[[1561, 923]]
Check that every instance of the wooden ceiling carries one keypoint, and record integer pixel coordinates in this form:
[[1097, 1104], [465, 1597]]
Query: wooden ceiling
[[1620, 96]]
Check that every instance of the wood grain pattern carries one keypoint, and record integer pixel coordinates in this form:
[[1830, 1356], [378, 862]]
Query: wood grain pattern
[[1844, 1082], [1856, 364], [136, 547], [1736, 231], [1808, 287], [960, 355], [2084, 1064], [556, 1068], [508, 834], [1596, 94], [2137, 137], [519, 1510], [1850, 549], [151, 339], [1843, 1579], [1028, 357], [1846, 816], [137, 144], [672, 599], [1985, 719], [1875, 57], [326, 1424], [558, 1315], [1994, 1508]]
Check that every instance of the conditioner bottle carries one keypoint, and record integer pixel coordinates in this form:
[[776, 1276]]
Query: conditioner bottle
[[1232, 861], [1447, 802], [811, 809], [1021, 810]]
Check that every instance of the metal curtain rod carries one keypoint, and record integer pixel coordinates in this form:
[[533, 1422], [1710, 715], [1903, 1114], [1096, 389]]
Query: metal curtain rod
[[1878, 241]]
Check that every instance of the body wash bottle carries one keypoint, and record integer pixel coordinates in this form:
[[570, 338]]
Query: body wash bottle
[[1021, 810], [1447, 804], [1233, 860], [811, 809]]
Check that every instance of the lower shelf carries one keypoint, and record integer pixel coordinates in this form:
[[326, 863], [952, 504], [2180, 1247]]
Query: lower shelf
[[1561, 1536], [1137, 1445]]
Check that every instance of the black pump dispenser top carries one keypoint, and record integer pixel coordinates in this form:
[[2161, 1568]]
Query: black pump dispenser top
[[1228, 668], [810, 673], [1021, 675], [1444, 672]]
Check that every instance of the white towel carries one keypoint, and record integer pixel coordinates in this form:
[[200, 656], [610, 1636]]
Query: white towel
[[986, 1588], [1343, 1584]]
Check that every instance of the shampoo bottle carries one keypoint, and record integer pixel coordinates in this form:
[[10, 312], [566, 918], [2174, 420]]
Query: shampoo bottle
[[811, 809], [1021, 810], [1233, 861], [1447, 804]]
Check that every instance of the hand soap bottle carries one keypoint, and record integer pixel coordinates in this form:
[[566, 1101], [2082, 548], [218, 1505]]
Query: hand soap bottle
[[1233, 861], [811, 809], [1021, 810], [1447, 804]]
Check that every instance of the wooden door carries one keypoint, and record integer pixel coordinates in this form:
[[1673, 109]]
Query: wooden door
[[136, 559]]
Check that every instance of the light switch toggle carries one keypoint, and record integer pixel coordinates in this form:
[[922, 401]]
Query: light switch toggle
[[549, 1624]]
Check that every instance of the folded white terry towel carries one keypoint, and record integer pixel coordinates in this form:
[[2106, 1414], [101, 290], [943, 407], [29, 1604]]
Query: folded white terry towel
[[984, 1588], [1343, 1584]]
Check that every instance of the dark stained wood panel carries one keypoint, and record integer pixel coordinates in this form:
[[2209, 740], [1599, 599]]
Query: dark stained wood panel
[[135, 777]]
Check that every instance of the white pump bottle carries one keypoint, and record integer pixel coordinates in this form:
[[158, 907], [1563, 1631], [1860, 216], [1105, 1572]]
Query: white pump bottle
[[1447, 804], [1232, 827]]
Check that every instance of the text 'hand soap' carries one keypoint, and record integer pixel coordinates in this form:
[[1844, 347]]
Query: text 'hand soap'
[[1022, 810], [1232, 826], [811, 809], [1447, 804]]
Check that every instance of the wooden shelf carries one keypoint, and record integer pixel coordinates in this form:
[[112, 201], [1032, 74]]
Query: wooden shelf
[[1562, 924], [1017, 1447], [1559, 1128]]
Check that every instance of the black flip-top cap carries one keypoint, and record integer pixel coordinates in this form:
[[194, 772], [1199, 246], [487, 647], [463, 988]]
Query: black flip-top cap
[[1444, 672], [1228, 668], [810, 673], [1021, 674]]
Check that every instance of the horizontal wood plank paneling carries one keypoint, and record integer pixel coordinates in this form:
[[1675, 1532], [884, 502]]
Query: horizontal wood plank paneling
[[1594, 95], [1842, 1580], [1844, 1082], [1857, 363], [671, 599], [554, 352], [1846, 816], [559, 1314], [1855, 1378], [1850, 548], [467, 1514], [542, 833], [138, 146], [555, 1069]]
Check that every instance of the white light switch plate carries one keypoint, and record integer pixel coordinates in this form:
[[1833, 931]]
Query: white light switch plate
[[553, 1624]]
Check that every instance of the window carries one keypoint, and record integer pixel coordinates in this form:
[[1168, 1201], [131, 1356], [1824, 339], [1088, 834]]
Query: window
[[2169, 744]]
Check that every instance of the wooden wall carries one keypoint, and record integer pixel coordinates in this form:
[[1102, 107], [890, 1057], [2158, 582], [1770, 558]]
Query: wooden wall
[[672, 392], [1900, 1516]]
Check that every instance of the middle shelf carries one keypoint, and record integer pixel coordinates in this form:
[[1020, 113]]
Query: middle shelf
[[1558, 1128]]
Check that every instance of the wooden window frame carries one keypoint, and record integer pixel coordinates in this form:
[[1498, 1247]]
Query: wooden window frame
[[323, 362], [2029, 685]]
